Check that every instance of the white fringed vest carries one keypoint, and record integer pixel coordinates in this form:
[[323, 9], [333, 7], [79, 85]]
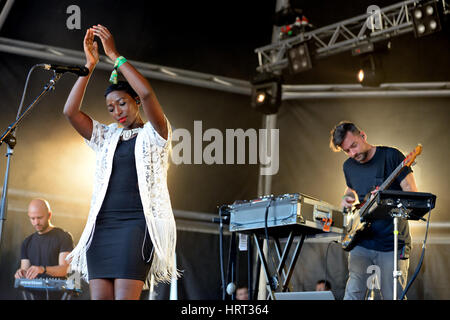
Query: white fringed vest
[[152, 155]]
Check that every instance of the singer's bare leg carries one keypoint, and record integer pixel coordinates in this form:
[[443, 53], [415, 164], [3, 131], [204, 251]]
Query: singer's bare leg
[[101, 289], [127, 289]]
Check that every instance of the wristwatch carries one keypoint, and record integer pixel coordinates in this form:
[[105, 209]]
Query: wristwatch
[[45, 269]]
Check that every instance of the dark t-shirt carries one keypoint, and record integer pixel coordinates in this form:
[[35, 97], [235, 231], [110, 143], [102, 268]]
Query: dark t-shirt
[[363, 178], [44, 249]]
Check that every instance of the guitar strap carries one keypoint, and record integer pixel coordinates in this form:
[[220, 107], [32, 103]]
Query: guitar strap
[[381, 170]]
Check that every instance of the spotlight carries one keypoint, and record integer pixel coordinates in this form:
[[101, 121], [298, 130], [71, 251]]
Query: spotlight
[[361, 75], [370, 74], [418, 14], [260, 97], [299, 58], [266, 93], [425, 19]]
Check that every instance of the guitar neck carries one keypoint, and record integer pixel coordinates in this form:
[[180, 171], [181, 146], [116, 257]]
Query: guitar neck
[[391, 177], [383, 186]]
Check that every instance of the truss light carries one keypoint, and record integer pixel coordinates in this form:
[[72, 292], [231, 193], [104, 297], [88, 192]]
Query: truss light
[[425, 19], [360, 75], [266, 93], [299, 58], [370, 74]]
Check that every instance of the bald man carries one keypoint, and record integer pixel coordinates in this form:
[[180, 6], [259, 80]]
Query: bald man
[[43, 253]]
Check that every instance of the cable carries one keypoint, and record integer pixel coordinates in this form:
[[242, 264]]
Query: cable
[[419, 266], [25, 89], [222, 272], [266, 217], [266, 232], [326, 260]]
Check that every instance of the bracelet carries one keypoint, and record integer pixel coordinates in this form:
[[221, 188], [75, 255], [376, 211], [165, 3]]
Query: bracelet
[[45, 269], [119, 61]]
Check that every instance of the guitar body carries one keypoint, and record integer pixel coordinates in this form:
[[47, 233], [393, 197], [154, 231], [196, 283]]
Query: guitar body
[[357, 220], [354, 229]]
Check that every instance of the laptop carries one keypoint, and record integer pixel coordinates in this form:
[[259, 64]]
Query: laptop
[[305, 295]]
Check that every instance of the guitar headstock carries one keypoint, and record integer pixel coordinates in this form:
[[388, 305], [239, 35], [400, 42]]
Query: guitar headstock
[[412, 156]]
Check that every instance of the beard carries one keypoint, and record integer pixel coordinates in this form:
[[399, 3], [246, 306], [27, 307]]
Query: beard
[[41, 227], [361, 157]]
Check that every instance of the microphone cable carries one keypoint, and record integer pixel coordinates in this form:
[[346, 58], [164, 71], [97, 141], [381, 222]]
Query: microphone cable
[[419, 266], [222, 271]]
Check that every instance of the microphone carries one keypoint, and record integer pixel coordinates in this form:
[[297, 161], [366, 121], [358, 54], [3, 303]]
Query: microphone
[[80, 71], [231, 288]]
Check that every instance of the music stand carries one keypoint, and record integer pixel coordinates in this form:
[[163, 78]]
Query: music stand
[[401, 205]]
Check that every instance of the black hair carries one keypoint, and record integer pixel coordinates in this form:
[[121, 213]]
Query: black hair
[[122, 86], [339, 132], [326, 282]]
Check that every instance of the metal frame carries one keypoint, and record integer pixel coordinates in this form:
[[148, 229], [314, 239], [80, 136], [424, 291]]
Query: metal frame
[[5, 11], [237, 86], [385, 90], [329, 40], [395, 20], [283, 275], [67, 56]]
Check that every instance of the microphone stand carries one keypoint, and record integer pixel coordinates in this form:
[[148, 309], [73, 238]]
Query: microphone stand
[[397, 214], [9, 137]]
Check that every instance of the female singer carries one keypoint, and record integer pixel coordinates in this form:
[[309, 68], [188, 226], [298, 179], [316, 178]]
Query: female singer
[[130, 231]]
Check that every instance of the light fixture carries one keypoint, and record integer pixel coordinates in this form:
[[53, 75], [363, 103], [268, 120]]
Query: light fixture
[[370, 73], [266, 93], [425, 19], [360, 75], [299, 58]]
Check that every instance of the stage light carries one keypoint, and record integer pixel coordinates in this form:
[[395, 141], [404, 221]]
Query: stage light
[[261, 97], [299, 58], [425, 19], [418, 14], [361, 75], [370, 73], [266, 93], [433, 25]]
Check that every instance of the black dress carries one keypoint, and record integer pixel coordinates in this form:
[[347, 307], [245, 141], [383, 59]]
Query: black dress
[[121, 247]]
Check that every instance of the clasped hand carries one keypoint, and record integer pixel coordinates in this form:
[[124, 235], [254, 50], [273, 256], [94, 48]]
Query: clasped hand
[[91, 46]]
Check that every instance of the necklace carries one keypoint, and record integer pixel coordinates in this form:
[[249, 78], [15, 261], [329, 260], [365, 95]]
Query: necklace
[[128, 134]]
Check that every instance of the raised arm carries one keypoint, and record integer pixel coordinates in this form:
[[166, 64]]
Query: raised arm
[[78, 119], [150, 103]]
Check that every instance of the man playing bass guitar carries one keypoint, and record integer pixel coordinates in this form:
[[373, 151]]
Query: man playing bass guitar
[[367, 167]]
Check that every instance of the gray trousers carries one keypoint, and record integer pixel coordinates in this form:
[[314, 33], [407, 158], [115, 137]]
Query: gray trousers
[[364, 264]]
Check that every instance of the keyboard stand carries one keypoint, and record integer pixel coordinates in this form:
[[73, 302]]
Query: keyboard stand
[[283, 276]]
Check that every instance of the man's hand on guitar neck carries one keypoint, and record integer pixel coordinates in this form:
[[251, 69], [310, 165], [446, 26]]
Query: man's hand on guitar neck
[[374, 192]]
